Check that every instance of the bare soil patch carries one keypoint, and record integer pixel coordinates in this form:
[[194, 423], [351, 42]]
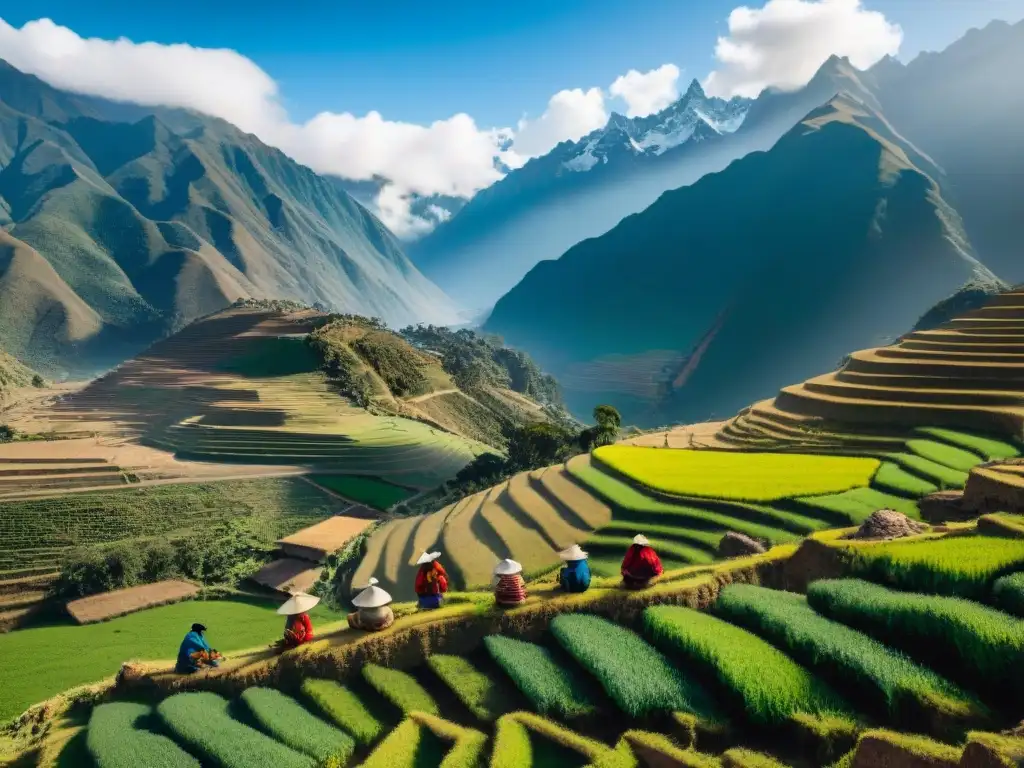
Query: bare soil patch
[[124, 601], [320, 540]]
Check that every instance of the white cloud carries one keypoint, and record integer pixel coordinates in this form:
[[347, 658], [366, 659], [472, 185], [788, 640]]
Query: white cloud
[[647, 92], [784, 43], [571, 114]]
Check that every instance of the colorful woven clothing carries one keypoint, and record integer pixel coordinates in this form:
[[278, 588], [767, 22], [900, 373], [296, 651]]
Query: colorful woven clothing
[[511, 590], [193, 643], [431, 579], [297, 630], [575, 576], [639, 566], [430, 602]]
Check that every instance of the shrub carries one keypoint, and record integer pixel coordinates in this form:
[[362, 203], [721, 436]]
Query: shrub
[[201, 721], [886, 678], [963, 566], [768, 684], [344, 708], [114, 741], [400, 688], [637, 678], [551, 688], [481, 695], [285, 719], [979, 646], [1009, 593]]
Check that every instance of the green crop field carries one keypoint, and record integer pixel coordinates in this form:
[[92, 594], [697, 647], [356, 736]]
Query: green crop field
[[549, 686], [738, 476], [1009, 593], [990, 449], [400, 688], [366, 490], [35, 663], [37, 533], [484, 697], [288, 722], [340, 706], [116, 739], [953, 565]]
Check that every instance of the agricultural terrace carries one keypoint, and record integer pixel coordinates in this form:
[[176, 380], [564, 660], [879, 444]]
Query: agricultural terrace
[[683, 500], [748, 676], [364, 490]]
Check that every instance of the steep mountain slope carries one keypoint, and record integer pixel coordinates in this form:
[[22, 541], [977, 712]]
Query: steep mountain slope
[[964, 107], [578, 190], [767, 272], [125, 231]]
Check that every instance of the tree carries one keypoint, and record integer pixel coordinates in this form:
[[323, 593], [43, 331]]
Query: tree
[[538, 445], [607, 417], [7, 433], [38, 381]]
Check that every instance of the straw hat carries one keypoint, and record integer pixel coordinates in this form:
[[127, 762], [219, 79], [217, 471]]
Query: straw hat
[[299, 602], [641, 540], [371, 597], [507, 568], [428, 557], [573, 553], [369, 583]]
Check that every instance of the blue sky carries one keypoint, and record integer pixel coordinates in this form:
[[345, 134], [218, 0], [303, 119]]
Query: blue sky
[[424, 61]]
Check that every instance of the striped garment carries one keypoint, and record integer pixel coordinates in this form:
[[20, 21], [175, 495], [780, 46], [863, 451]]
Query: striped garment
[[511, 590]]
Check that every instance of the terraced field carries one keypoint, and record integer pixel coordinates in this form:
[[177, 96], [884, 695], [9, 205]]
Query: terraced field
[[593, 500], [759, 677]]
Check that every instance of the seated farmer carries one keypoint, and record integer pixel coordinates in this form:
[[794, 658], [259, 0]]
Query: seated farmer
[[510, 588], [575, 576], [195, 652], [640, 565], [298, 628], [431, 581], [374, 612]]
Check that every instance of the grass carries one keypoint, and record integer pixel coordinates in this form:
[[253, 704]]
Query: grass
[[410, 745], [894, 479], [288, 722], [636, 677], [401, 689], [988, 448], [551, 688], [35, 663], [745, 758], [964, 566], [770, 686], [513, 747], [365, 490], [343, 708], [480, 694], [467, 745], [976, 645], [858, 504], [115, 741], [666, 752], [201, 721], [932, 471], [919, 749], [888, 680], [738, 476], [1009, 593], [944, 454]]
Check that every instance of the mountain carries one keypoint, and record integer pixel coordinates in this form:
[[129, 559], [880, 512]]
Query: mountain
[[761, 274], [578, 190], [116, 233]]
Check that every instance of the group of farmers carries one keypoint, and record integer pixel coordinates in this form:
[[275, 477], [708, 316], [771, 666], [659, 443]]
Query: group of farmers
[[640, 567]]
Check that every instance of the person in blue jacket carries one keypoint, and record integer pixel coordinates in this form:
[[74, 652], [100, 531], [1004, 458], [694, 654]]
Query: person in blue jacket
[[193, 642], [575, 576]]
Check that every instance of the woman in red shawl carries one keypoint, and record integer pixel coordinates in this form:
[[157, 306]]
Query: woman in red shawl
[[431, 581], [298, 629], [640, 565]]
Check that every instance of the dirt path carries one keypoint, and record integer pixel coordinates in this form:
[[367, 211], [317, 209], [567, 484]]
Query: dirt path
[[431, 395]]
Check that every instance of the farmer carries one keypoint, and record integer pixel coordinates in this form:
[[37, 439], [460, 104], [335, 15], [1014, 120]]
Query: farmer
[[431, 581], [298, 629], [641, 565], [575, 576], [510, 588], [374, 612], [195, 652]]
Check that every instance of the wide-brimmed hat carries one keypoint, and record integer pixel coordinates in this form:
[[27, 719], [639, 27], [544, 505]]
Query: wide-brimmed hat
[[198, 628], [299, 602], [573, 553], [428, 557], [371, 597], [641, 540], [507, 568]]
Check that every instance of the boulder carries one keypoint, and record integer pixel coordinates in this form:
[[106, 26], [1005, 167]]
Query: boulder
[[887, 524], [735, 544]]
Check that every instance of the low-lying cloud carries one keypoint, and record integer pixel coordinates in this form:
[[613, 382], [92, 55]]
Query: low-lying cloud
[[647, 92]]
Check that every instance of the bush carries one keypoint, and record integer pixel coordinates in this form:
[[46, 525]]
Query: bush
[[344, 708], [401, 689], [115, 741], [38, 381], [8, 434], [552, 689], [1009, 593], [285, 720], [481, 695], [769, 685], [636, 677], [201, 721], [978, 646], [888, 680]]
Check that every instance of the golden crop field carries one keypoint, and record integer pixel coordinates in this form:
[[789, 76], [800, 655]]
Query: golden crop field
[[738, 476]]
